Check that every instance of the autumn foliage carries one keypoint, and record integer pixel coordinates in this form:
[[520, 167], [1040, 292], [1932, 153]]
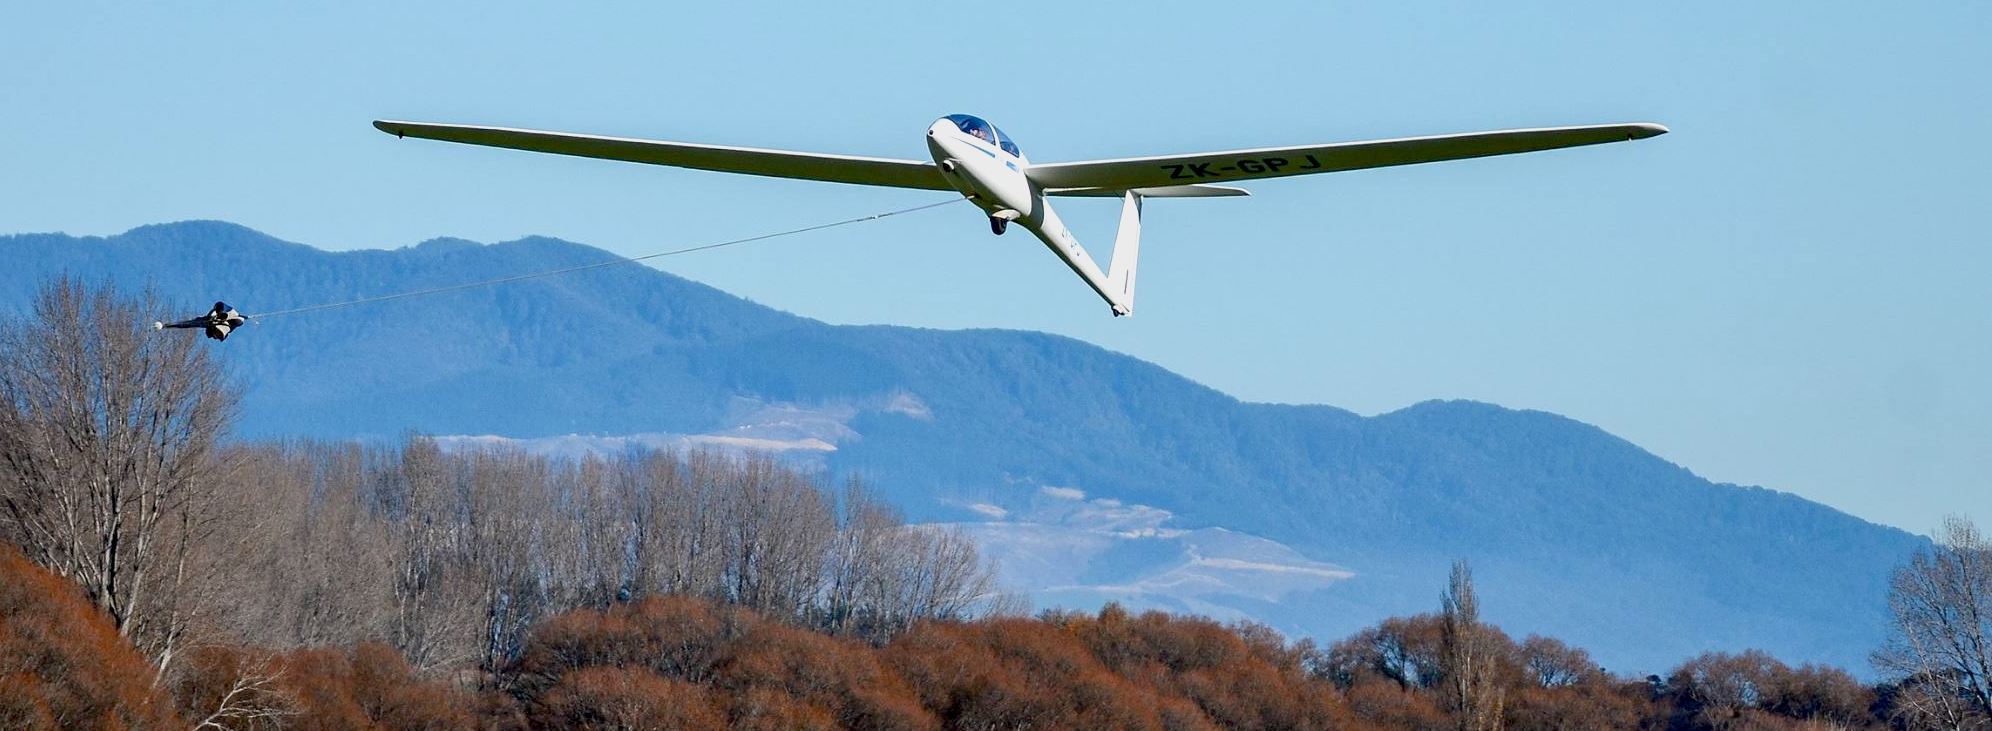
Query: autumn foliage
[[688, 663], [701, 665], [62, 663], [368, 686], [679, 662]]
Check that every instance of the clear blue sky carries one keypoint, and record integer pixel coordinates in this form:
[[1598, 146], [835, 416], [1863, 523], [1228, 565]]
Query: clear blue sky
[[1790, 290]]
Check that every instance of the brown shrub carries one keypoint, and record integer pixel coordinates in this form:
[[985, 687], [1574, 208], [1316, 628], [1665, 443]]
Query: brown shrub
[[768, 709], [367, 687], [62, 663], [1007, 673], [823, 672], [1593, 704], [676, 637], [1383, 703], [1814, 693], [1404, 650], [627, 698], [677, 662], [231, 687]]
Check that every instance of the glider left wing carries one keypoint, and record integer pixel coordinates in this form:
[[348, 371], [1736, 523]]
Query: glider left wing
[[751, 161], [1272, 162]]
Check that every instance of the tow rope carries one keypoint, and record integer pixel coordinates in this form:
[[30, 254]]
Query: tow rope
[[598, 265]]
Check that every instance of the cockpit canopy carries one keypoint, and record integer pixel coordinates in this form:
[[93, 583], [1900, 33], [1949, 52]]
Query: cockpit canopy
[[975, 126]]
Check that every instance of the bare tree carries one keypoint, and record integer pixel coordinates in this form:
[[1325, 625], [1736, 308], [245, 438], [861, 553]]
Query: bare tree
[[1941, 616], [679, 549], [857, 556], [603, 535], [433, 615], [251, 697], [778, 529], [882, 575], [505, 520], [108, 438], [1552, 664], [344, 561], [1468, 655], [940, 573]]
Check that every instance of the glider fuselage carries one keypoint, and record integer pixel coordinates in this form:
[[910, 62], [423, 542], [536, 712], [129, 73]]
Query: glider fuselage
[[987, 167]]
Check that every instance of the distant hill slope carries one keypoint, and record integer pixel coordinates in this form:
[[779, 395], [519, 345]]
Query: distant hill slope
[[1062, 454]]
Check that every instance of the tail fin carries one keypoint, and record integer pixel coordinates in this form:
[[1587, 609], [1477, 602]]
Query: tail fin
[[1127, 248]]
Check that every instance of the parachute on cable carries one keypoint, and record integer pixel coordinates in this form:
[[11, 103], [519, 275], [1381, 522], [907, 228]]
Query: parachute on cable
[[217, 323]]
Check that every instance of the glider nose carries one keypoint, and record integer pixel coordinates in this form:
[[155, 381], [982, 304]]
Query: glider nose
[[952, 154], [942, 143]]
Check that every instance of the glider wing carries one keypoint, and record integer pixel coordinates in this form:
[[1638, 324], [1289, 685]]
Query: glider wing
[[1273, 162], [773, 163]]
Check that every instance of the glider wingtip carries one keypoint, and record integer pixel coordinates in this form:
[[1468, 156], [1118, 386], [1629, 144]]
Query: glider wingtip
[[1644, 130], [390, 126]]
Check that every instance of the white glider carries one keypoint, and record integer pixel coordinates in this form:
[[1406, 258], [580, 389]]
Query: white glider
[[976, 159]]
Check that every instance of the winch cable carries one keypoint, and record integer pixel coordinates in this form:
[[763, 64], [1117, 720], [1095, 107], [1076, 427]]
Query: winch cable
[[598, 265]]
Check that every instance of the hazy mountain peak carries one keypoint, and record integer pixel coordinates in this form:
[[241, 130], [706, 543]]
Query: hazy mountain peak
[[199, 233], [445, 244]]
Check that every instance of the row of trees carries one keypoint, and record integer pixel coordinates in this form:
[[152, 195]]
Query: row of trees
[[452, 558], [428, 574]]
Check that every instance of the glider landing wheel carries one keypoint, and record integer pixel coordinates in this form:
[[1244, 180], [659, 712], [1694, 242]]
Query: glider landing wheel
[[998, 225]]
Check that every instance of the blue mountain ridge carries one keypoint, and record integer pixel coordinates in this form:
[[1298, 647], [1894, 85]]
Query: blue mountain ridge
[[1572, 532]]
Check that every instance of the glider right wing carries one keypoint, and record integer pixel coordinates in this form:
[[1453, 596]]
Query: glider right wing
[[752, 161], [1272, 162]]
